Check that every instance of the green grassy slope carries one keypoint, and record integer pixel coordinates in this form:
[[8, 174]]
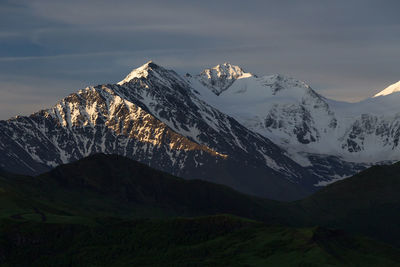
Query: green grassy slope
[[203, 241], [367, 203], [91, 212]]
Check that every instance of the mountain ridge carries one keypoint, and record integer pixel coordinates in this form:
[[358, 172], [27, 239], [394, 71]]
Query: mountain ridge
[[271, 136], [294, 116], [157, 120]]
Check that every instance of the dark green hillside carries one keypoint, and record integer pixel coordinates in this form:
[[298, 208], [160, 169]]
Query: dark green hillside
[[367, 203], [107, 210], [203, 241], [111, 185]]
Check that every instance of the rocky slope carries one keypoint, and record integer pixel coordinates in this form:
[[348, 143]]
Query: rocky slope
[[154, 117]]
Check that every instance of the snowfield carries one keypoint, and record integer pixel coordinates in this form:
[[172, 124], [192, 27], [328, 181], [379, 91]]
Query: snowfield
[[297, 118]]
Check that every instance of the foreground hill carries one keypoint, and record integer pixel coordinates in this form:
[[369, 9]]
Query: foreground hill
[[112, 185], [367, 203], [92, 212], [203, 241]]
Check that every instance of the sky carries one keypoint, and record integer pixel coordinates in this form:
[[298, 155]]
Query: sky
[[344, 49]]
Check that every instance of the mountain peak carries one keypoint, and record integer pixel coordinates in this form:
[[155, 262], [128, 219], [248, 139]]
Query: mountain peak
[[227, 69], [220, 77], [142, 71], [394, 88]]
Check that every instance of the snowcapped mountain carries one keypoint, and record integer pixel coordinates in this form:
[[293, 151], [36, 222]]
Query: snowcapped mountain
[[154, 117], [315, 131], [272, 136], [277, 106]]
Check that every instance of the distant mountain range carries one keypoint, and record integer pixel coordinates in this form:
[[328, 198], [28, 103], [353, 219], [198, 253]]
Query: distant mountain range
[[271, 136], [110, 210]]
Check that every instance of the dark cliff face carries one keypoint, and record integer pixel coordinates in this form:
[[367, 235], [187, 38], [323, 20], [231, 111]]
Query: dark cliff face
[[156, 119]]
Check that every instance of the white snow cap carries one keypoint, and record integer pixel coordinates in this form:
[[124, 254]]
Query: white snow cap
[[220, 77], [225, 70], [140, 72], [394, 88]]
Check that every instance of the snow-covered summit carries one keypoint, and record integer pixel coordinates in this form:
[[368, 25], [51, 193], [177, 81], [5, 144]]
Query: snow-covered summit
[[142, 71], [394, 88], [280, 107], [221, 77], [150, 74], [299, 119]]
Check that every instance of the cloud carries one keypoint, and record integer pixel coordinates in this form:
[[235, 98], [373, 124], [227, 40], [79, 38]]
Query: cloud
[[346, 49]]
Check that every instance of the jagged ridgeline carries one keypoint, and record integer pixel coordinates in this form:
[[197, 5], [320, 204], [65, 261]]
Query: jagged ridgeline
[[154, 117], [270, 136]]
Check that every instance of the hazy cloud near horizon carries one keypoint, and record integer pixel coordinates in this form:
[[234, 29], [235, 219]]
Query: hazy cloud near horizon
[[346, 50]]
